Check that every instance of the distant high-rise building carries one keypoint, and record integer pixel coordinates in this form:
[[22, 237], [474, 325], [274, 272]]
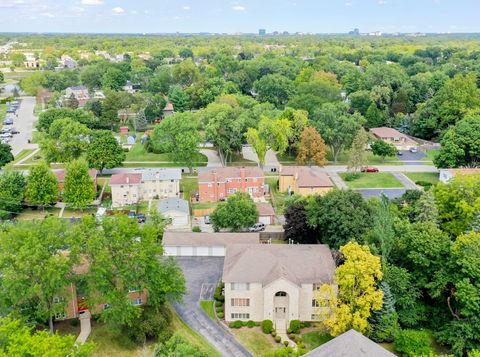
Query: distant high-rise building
[[262, 32], [355, 32]]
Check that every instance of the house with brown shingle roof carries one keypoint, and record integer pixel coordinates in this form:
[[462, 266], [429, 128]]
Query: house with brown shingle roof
[[218, 184], [303, 180], [394, 137], [275, 281], [61, 173]]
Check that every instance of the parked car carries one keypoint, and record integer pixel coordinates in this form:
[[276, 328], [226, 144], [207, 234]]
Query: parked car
[[141, 218], [413, 150], [369, 169], [132, 214], [399, 153], [8, 121], [206, 219], [14, 131], [257, 227]]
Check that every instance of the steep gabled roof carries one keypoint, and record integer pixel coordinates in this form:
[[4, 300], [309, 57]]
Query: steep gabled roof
[[350, 344], [307, 176]]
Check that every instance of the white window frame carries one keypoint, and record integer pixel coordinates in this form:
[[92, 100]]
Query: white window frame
[[240, 286]]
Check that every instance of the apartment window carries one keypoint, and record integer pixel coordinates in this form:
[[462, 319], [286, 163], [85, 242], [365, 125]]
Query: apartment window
[[229, 180], [281, 293], [60, 315], [232, 190], [240, 316], [315, 303], [240, 302], [240, 286], [171, 180], [316, 286], [239, 180], [137, 302]]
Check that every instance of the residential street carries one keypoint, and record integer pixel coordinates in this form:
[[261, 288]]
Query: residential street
[[202, 275], [24, 123]]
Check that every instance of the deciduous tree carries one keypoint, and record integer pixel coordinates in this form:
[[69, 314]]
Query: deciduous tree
[[311, 149], [258, 144], [12, 186], [236, 214], [104, 151], [79, 189], [6, 155], [42, 186], [358, 153], [383, 149]]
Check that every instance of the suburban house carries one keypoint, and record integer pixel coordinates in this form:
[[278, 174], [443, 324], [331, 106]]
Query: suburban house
[[130, 188], [176, 209], [217, 185], [266, 213], [447, 174], [31, 61], [131, 88], [392, 136], [275, 281], [73, 299], [68, 62], [303, 180], [189, 244], [350, 344], [80, 93], [61, 173]]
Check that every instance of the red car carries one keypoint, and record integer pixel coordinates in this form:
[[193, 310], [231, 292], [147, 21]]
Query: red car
[[369, 169]]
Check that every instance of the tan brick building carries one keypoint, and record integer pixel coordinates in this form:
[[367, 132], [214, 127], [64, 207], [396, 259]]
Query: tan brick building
[[303, 180]]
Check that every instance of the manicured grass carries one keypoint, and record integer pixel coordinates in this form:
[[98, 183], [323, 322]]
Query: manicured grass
[[204, 205], [431, 177], [207, 306], [74, 213], [373, 180], [254, 340], [192, 336], [138, 153], [101, 181], [431, 154], [314, 339], [29, 214], [22, 154], [371, 159], [188, 186]]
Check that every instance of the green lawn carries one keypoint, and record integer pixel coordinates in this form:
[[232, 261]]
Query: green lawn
[[278, 198], [138, 153], [204, 205], [3, 112], [314, 339], [373, 180], [431, 177], [74, 213], [207, 306], [188, 186], [254, 340], [431, 154], [29, 214], [371, 159]]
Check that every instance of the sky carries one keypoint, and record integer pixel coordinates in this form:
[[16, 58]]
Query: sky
[[187, 16]]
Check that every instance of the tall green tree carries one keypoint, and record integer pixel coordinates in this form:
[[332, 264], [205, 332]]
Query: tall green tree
[[384, 322], [358, 153], [383, 149], [104, 151], [79, 189], [275, 89], [35, 267], [114, 78], [179, 99], [258, 143], [42, 186], [425, 209], [236, 214], [12, 187], [6, 155], [337, 126]]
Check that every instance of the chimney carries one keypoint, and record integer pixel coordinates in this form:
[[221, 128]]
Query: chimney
[[127, 180], [242, 179], [296, 176]]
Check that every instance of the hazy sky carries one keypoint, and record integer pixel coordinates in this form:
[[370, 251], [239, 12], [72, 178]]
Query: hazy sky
[[319, 16]]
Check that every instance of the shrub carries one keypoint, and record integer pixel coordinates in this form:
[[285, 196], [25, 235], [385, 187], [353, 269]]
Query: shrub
[[424, 184], [152, 323], [298, 338], [219, 309], [307, 324], [295, 326], [300, 345], [235, 324], [74, 322], [351, 176], [267, 326], [285, 343], [218, 303], [250, 324], [291, 336], [220, 315], [413, 343], [196, 229], [257, 323], [273, 333], [278, 339]]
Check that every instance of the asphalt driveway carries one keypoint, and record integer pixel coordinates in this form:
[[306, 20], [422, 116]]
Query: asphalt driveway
[[202, 275], [24, 123], [391, 193]]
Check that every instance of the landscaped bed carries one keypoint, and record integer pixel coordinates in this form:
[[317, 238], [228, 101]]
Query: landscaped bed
[[372, 180], [423, 177]]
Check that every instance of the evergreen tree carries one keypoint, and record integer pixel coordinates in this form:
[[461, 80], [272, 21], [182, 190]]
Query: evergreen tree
[[425, 209], [384, 322], [383, 231], [358, 154], [140, 121]]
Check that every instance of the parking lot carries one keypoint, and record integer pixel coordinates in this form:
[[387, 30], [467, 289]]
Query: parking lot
[[20, 121]]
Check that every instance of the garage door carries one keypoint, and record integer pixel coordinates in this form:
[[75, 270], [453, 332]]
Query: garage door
[[264, 219], [218, 251], [170, 251], [202, 251], [180, 221], [186, 251]]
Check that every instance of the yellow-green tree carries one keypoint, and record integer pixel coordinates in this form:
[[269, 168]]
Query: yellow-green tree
[[358, 294]]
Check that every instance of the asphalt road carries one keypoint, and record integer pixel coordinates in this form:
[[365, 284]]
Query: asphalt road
[[24, 123], [202, 274], [391, 193]]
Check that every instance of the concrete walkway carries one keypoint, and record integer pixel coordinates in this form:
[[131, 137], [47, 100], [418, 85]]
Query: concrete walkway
[[337, 180], [409, 184], [85, 327]]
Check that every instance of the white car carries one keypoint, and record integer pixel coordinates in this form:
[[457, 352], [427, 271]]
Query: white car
[[413, 150]]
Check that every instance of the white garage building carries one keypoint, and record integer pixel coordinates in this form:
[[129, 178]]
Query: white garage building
[[189, 244], [176, 209]]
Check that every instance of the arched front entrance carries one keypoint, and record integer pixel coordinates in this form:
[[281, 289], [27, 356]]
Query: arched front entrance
[[280, 305]]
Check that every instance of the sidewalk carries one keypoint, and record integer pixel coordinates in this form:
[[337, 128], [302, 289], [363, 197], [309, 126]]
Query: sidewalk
[[85, 327]]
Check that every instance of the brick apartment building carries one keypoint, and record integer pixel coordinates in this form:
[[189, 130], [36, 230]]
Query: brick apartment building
[[216, 185]]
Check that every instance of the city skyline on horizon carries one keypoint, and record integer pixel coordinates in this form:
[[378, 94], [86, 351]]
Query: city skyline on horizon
[[247, 16]]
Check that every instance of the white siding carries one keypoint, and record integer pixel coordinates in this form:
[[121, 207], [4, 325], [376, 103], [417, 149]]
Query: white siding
[[264, 219], [186, 251], [218, 251], [203, 251]]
